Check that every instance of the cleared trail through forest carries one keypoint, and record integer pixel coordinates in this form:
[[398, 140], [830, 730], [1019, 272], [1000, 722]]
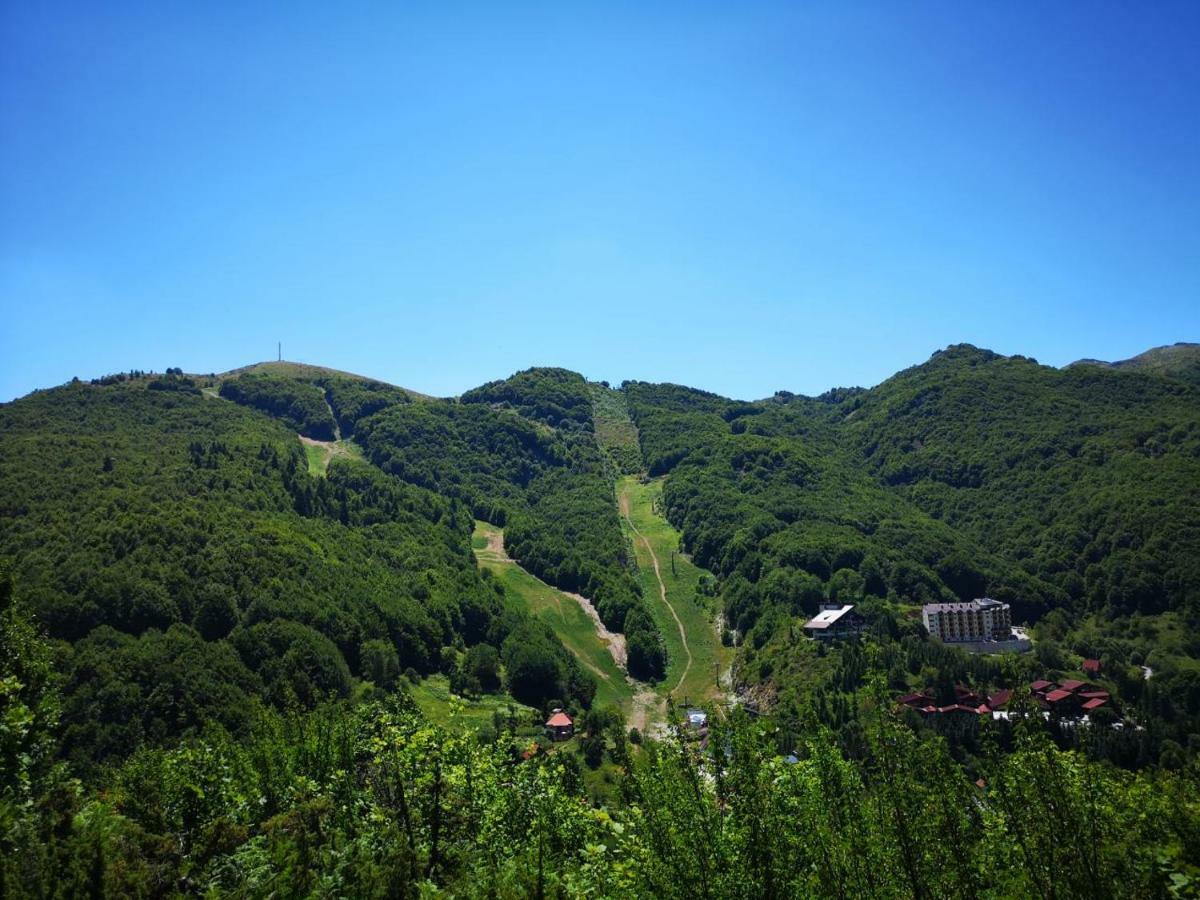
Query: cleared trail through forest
[[337, 431], [662, 588], [572, 616]]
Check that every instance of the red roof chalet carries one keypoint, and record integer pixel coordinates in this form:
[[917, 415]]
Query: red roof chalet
[[1040, 685], [958, 708], [1091, 667], [999, 699], [1070, 685], [559, 726], [1058, 696], [1095, 703]]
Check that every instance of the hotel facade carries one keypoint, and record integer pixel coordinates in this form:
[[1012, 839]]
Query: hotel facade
[[978, 620]]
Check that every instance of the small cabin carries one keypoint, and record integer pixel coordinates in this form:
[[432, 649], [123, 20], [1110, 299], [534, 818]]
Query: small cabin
[[559, 726]]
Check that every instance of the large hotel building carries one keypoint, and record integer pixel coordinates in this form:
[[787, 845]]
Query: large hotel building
[[979, 620]]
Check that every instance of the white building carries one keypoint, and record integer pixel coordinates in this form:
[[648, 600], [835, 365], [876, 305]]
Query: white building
[[834, 621], [980, 620]]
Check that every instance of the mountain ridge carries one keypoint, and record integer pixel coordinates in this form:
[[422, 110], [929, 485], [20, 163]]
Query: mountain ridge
[[199, 587], [1179, 360]]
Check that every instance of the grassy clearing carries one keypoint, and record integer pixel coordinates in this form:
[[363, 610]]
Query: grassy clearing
[[572, 625], [615, 432], [318, 459], [432, 694], [320, 453], [681, 578]]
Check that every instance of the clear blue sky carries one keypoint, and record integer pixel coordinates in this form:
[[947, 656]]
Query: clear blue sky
[[737, 196]]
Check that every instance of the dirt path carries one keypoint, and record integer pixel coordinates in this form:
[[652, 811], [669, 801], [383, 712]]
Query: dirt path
[[626, 510], [331, 448], [334, 447], [647, 713], [495, 553], [616, 642]]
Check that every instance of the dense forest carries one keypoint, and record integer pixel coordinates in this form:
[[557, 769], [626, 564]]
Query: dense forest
[[213, 656], [317, 405], [187, 566], [1074, 495], [374, 801], [522, 454]]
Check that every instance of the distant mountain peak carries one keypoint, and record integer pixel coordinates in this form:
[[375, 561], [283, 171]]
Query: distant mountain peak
[[1180, 360]]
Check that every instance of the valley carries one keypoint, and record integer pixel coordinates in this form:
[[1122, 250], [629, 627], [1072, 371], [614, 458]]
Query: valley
[[698, 664]]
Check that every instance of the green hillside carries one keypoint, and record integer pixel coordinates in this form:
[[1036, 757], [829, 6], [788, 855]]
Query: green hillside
[[191, 567], [523, 456], [293, 632], [1073, 495], [562, 613], [318, 403], [615, 432]]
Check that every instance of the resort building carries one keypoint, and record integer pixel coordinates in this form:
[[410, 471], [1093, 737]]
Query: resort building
[[834, 622], [979, 620]]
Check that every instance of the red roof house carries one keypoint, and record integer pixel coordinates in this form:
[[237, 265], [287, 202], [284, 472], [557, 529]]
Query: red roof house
[[1040, 685], [1095, 703], [1091, 667], [1071, 685], [559, 726], [1058, 696], [966, 695], [999, 699]]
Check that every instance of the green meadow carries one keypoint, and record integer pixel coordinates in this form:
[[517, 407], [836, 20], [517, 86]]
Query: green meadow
[[432, 694], [653, 537]]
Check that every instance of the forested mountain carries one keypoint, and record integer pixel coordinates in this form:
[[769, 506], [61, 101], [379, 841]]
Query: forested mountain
[[319, 406], [177, 546], [971, 473], [1073, 492], [214, 650], [522, 454]]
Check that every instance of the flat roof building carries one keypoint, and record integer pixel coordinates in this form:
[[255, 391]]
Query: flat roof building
[[980, 620]]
